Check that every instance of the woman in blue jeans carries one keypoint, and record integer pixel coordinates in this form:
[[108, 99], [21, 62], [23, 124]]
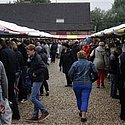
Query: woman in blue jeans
[[82, 73]]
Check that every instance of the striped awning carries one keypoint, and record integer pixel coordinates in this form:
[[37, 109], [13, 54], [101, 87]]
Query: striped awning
[[71, 36]]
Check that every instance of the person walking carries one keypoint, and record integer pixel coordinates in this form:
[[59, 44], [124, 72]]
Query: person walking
[[43, 55], [66, 60], [114, 71], [53, 50], [36, 73], [80, 74], [101, 63]]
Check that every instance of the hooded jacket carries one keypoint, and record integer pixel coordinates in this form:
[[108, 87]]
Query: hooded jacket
[[100, 59]]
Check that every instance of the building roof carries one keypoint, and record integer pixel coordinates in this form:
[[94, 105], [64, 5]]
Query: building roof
[[48, 17]]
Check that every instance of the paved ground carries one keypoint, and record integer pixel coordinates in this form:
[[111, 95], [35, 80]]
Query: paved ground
[[61, 104]]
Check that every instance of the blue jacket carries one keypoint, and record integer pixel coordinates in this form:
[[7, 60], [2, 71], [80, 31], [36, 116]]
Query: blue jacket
[[80, 71]]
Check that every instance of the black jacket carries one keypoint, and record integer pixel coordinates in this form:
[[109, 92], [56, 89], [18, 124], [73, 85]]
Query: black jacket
[[20, 61], [114, 64], [122, 65], [37, 67], [66, 60], [8, 57]]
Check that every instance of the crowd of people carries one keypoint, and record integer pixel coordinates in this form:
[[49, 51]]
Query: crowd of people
[[26, 71]]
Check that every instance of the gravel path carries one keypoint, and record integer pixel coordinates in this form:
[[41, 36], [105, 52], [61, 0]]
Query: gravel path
[[61, 104]]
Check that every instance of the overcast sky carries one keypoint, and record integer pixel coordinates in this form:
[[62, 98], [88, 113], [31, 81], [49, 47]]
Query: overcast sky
[[103, 4]]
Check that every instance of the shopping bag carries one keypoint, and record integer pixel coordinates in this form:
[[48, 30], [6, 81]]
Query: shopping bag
[[2, 104], [2, 108], [7, 115], [49, 60]]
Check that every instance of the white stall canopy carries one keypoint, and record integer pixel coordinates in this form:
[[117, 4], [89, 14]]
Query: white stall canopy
[[117, 30], [14, 29]]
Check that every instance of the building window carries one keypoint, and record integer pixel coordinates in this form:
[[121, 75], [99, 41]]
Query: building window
[[59, 20]]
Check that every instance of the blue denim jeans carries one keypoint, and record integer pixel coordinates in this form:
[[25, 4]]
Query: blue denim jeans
[[82, 92], [35, 99]]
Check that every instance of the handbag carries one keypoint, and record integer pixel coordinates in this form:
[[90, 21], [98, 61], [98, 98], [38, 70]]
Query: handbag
[[93, 75]]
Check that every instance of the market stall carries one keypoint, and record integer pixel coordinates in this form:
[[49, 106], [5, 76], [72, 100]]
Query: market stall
[[71, 36], [11, 29]]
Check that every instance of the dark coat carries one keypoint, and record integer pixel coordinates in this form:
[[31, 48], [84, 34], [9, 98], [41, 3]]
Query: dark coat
[[122, 65], [66, 60], [22, 49], [75, 48], [38, 67], [114, 64], [8, 57], [20, 61], [44, 57], [53, 49]]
